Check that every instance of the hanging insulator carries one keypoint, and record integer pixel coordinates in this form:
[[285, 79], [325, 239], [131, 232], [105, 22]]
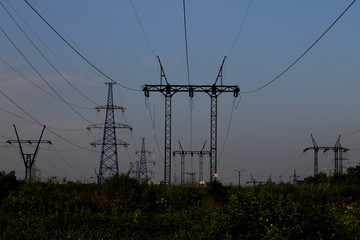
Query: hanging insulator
[[191, 92]]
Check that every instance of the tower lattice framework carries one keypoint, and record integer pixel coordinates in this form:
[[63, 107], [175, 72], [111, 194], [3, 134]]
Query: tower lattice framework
[[109, 155]]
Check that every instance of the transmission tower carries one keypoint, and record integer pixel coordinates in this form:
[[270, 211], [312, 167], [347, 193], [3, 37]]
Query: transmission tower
[[183, 154], [28, 158], [109, 156], [316, 149], [141, 171], [213, 91], [338, 154]]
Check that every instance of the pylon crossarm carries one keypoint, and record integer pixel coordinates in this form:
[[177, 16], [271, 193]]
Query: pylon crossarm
[[116, 125], [209, 89], [113, 107], [118, 142]]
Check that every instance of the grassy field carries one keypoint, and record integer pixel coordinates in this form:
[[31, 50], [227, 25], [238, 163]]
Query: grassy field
[[123, 209]]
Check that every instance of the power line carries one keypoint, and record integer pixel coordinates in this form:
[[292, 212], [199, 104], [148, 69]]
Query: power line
[[78, 53], [186, 44], [46, 59], [58, 22], [142, 28], [147, 105], [32, 66], [47, 46], [27, 79], [240, 29], [27, 120], [228, 127], [304, 53], [38, 122]]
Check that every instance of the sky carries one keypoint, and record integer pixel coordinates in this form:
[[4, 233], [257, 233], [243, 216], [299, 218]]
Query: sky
[[268, 129]]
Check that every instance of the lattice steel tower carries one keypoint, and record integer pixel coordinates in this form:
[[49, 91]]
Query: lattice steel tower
[[109, 156], [142, 172]]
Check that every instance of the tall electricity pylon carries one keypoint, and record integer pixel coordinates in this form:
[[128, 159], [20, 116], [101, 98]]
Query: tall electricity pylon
[[213, 91], [338, 154], [28, 158], [142, 172], [316, 149], [109, 156]]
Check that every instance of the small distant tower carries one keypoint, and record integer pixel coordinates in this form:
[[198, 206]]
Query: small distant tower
[[28, 158], [141, 171], [109, 156], [294, 178]]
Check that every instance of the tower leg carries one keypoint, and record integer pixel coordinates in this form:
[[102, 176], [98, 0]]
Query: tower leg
[[28, 166], [201, 158], [316, 163], [213, 138], [336, 162], [167, 159], [182, 169], [340, 161]]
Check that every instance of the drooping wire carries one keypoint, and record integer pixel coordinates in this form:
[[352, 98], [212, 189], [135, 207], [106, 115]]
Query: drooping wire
[[47, 46], [27, 120], [66, 162], [4, 136], [38, 73], [240, 29], [147, 105], [78, 53], [39, 123], [46, 59], [294, 163], [304, 53], [186, 44], [142, 29], [234, 106], [43, 157], [58, 22], [27, 79]]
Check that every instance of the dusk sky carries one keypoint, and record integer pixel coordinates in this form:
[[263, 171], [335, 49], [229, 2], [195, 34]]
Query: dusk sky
[[269, 128]]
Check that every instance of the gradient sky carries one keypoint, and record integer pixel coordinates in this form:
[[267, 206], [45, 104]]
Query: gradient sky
[[269, 129]]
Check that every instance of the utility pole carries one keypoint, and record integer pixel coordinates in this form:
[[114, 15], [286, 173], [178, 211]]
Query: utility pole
[[29, 159], [239, 171], [213, 91], [109, 156], [316, 149]]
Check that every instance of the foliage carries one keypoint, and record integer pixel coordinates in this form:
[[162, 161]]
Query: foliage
[[121, 208]]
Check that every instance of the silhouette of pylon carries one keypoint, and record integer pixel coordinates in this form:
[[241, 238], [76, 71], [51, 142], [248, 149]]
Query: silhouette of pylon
[[109, 156]]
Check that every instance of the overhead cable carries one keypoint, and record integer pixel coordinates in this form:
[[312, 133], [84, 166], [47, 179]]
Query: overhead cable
[[78, 53], [240, 29], [142, 28], [46, 59], [38, 122], [304, 53], [186, 44], [27, 79], [38, 73]]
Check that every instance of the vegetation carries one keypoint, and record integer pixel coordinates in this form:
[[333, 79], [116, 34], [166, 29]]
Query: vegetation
[[121, 208]]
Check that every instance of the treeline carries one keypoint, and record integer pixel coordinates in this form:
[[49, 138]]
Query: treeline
[[121, 208], [352, 177]]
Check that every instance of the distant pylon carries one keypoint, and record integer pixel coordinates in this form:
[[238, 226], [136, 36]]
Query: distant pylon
[[109, 156], [29, 159], [316, 149], [338, 153], [142, 172]]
